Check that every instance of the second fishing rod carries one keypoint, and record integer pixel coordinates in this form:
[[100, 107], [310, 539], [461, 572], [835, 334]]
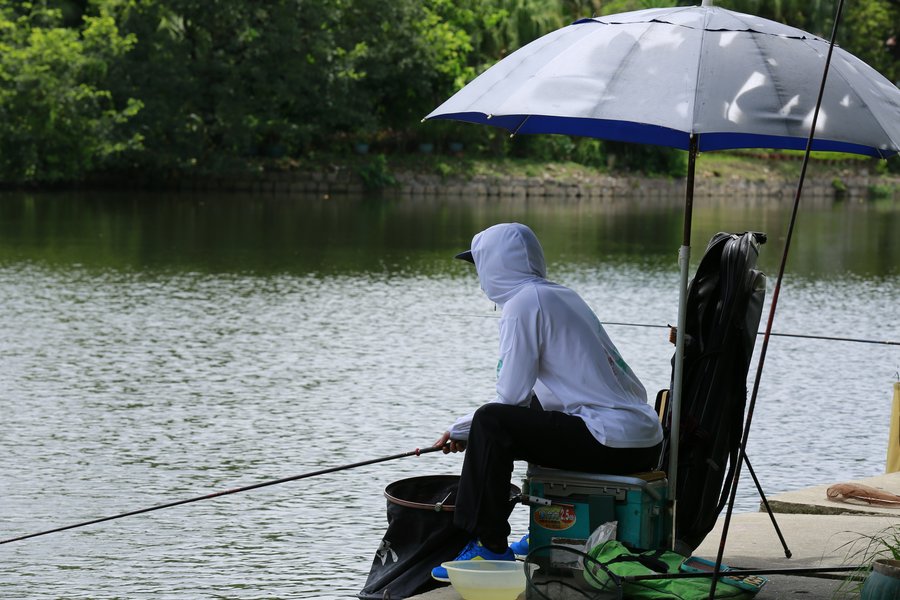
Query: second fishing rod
[[226, 492]]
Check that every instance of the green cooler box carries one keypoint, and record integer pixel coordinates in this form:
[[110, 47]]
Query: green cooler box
[[568, 505]]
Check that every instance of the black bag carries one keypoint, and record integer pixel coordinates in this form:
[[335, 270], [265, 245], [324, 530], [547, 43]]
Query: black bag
[[724, 306], [419, 537]]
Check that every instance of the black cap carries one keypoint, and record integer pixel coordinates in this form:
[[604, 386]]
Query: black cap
[[467, 255]]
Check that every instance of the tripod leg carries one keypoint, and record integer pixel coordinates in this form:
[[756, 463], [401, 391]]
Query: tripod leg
[[762, 495]]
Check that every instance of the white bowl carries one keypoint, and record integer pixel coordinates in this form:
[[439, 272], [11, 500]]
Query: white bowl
[[487, 579]]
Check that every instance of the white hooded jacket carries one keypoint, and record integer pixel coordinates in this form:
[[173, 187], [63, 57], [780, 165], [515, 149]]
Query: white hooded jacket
[[551, 342]]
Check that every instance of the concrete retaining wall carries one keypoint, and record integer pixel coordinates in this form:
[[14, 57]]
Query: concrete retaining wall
[[601, 188], [344, 181]]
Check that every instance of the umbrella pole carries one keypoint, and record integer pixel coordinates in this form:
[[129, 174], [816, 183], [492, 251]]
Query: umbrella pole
[[684, 259]]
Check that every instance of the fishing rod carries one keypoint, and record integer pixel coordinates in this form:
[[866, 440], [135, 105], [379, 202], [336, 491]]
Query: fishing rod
[[810, 571], [742, 453], [773, 334], [246, 488]]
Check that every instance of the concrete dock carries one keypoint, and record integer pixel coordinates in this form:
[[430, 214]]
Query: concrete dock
[[819, 532]]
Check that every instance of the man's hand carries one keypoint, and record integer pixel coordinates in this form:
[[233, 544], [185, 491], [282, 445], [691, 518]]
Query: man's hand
[[450, 445]]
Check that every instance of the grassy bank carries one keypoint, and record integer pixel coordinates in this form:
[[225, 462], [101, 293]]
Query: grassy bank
[[768, 172], [752, 166]]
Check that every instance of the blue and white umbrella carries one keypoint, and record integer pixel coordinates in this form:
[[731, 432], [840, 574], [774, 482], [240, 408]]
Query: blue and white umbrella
[[696, 78], [661, 76]]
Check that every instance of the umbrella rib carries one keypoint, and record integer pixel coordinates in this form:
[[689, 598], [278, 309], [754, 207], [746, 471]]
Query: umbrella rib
[[668, 20], [695, 106], [614, 78], [776, 83], [519, 126], [627, 60]]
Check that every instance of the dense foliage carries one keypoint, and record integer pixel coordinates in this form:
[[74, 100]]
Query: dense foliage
[[175, 86], [59, 118]]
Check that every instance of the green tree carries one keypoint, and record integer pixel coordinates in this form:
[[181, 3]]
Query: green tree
[[870, 31], [58, 120], [224, 80], [510, 24], [406, 54], [161, 86], [611, 7]]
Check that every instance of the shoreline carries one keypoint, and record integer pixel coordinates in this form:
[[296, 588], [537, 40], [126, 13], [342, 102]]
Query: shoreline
[[344, 180], [742, 174]]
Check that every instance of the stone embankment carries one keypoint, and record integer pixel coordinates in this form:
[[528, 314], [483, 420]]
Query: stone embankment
[[857, 187], [345, 181], [611, 187]]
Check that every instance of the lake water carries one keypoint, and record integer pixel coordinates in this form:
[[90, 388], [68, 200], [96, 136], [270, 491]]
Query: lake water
[[159, 347]]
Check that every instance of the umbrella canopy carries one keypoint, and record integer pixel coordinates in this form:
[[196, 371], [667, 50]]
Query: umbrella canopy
[[659, 76]]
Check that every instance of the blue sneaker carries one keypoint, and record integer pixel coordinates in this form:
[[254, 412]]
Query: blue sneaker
[[520, 548], [473, 551]]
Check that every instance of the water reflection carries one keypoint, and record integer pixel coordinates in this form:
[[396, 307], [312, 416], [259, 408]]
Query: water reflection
[[160, 348], [272, 234]]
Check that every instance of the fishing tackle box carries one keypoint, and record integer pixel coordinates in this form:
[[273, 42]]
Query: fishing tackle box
[[569, 505]]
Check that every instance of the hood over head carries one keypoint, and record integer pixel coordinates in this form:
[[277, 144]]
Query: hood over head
[[507, 256]]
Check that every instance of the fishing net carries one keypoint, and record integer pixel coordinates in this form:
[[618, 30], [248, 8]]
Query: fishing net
[[419, 537]]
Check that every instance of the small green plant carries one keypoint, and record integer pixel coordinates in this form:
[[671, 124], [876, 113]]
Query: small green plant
[[532, 171], [376, 175], [881, 191], [864, 551], [443, 169], [839, 187]]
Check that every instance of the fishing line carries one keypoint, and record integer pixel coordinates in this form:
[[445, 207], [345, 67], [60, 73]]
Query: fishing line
[[765, 345], [254, 486], [828, 338]]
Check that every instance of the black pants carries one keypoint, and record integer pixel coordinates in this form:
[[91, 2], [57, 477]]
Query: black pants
[[501, 434]]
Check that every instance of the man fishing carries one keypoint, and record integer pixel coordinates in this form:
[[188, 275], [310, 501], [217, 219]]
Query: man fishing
[[565, 397]]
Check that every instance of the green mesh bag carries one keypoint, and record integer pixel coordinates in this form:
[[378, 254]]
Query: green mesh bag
[[610, 562]]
